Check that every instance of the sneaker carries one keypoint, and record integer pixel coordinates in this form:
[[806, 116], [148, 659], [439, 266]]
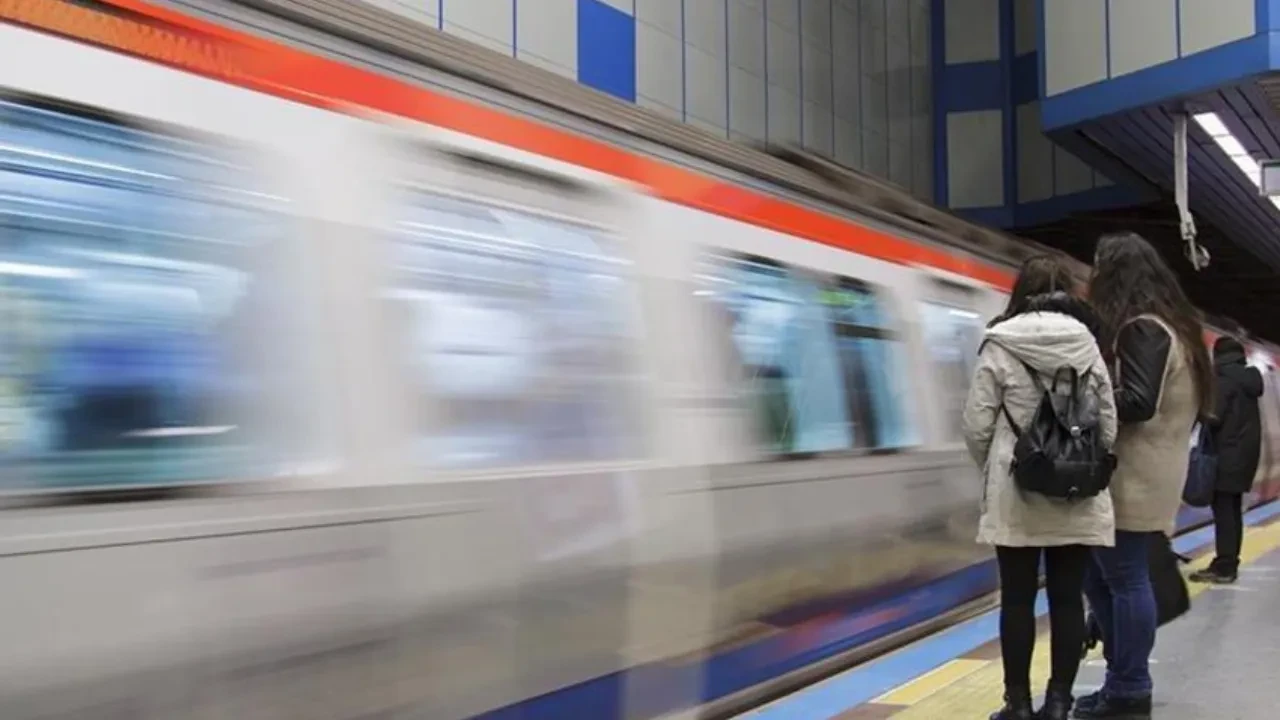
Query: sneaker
[[1213, 576], [1110, 708]]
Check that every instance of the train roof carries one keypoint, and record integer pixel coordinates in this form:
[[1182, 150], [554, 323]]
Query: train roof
[[349, 56]]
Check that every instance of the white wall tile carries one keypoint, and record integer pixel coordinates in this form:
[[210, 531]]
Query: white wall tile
[[782, 48], [784, 115], [900, 164], [1143, 33], [784, 12], [423, 11], [872, 38], [669, 111], [704, 25], [1035, 156], [815, 23], [898, 75], [875, 152], [920, 33], [662, 14], [747, 108], [848, 144], [848, 60], [1075, 44], [975, 159], [534, 60], [705, 86], [922, 156], [713, 128], [972, 30], [818, 128], [746, 38], [1026, 27], [548, 30], [626, 6], [817, 76], [874, 104], [1210, 23], [659, 66], [488, 22], [921, 92]]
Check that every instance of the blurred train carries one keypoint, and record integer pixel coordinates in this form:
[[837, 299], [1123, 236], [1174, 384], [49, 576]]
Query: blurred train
[[334, 394]]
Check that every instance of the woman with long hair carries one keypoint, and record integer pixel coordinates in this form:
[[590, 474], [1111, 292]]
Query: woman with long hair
[[1043, 330], [1163, 380]]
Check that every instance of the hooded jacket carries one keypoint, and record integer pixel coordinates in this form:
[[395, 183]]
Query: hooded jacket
[[1047, 337], [1238, 428]]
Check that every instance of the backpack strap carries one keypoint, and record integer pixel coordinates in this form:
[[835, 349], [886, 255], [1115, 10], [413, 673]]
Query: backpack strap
[[1017, 431]]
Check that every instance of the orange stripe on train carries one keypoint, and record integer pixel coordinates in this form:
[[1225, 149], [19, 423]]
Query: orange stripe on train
[[172, 38]]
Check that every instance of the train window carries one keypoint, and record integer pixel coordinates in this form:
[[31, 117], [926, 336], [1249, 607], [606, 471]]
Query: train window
[[124, 282], [951, 335], [869, 351], [517, 334], [814, 356]]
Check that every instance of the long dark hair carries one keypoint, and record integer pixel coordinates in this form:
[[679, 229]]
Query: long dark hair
[[1131, 279], [1040, 275]]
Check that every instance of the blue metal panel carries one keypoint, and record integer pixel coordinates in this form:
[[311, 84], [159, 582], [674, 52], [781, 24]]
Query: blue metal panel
[[1026, 78], [1008, 115], [938, 64], [607, 49], [1267, 16], [1198, 73], [971, 86]]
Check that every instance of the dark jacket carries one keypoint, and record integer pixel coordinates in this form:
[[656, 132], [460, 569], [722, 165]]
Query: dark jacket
[[1238, 425]]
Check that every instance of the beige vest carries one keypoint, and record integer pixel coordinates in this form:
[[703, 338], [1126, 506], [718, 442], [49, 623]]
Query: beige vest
[[1147, 487]]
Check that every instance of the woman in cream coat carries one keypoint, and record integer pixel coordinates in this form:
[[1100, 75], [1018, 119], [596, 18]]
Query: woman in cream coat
[[1045, 329]]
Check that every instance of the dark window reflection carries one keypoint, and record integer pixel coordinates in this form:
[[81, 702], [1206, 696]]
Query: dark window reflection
[[817, 358], [123, 279]]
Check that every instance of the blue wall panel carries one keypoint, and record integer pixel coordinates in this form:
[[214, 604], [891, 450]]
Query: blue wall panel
[[607, 49]]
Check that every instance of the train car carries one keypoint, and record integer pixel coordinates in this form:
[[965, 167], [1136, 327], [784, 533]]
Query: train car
[[335, 393]]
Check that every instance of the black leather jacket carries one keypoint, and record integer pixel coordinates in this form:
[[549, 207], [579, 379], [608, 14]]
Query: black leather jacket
[[1142, 354]]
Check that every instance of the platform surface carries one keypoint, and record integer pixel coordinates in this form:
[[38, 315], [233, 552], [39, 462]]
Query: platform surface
[[1217, 662]]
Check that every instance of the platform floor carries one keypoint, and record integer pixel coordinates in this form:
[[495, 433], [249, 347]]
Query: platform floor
[[1217, 662]]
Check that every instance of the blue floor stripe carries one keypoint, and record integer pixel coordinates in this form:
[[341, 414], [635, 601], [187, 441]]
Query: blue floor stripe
[[867, 682]]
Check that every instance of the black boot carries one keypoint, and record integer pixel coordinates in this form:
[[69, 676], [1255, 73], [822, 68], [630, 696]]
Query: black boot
[[1017, 705], [1057, 704]]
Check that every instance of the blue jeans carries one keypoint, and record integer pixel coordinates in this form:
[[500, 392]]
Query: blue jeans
[[1118, 585]]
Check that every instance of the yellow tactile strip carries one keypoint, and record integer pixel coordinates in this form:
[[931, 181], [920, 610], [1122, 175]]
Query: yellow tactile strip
[[970, 686]]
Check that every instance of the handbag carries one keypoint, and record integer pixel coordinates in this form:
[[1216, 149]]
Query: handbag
[[1202, 469]]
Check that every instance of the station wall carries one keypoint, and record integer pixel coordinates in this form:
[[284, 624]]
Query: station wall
[[1091, 41], [848, 79], [995, 162]]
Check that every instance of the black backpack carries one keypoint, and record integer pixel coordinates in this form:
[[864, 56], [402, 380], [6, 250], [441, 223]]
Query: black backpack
[[1061, 453]]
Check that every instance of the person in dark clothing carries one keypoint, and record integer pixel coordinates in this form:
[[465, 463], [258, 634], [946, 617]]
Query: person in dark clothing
[[1237, 432]]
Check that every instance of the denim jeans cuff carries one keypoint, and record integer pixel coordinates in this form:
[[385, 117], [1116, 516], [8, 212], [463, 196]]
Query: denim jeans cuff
[[1127, 691]]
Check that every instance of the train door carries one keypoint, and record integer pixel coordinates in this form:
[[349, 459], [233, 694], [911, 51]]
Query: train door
[[505, 372]]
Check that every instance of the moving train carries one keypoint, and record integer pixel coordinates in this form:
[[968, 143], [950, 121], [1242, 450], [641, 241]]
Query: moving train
[[353, 389]]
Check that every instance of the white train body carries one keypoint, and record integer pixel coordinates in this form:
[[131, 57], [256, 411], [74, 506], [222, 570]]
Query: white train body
[[500, 444]]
